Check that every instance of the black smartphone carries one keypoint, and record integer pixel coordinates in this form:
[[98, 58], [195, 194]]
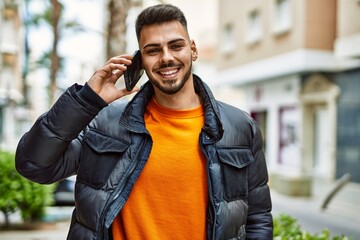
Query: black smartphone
[[134, 71]]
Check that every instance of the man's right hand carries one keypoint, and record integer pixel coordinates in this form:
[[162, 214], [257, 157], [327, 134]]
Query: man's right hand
[[103, 80]]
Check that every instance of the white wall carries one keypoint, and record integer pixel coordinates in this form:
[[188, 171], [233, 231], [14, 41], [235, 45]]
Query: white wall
[[270, 96]]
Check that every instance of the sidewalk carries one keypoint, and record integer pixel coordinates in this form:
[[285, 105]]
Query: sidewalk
[[55, 227], [342, 215], [346, 203], [58, 231]]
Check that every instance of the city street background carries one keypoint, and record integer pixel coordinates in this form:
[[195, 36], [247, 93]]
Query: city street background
[[340, 217], [294, 66]]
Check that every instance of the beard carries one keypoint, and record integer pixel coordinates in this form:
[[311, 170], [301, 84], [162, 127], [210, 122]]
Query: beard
[[170, 86]]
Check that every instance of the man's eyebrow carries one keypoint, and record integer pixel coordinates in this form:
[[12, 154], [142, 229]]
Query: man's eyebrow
[[170, 42], [152, 45], [176, 40]]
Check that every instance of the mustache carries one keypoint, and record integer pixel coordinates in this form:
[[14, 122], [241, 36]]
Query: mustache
[[167, 65]]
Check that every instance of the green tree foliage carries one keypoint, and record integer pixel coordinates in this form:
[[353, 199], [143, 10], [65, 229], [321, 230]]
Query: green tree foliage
[[34, 199], [9, 185], [20, 194], [287, 228]]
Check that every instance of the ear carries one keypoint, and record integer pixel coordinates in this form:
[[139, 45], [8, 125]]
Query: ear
[[194, 51]]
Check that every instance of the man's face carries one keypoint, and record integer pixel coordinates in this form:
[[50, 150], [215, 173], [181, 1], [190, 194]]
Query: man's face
[[167, 55]]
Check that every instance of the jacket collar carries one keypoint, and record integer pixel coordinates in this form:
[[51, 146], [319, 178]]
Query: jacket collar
[[133, 115]]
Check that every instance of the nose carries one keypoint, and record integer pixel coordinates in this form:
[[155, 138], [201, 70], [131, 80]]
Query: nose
[[166, 56]]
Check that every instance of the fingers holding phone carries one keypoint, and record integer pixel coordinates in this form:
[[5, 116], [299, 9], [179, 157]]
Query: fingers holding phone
[[112, 70], [103, 80], [116, 66]]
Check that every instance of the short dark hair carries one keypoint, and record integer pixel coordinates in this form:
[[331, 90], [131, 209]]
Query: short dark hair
[[158, 14]]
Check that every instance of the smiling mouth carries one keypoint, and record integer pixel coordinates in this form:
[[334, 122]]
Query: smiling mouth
[[168, 73]]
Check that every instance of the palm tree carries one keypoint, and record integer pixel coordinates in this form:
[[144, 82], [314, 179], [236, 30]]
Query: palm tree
[[54, 57], [116, 27], [52, 16]]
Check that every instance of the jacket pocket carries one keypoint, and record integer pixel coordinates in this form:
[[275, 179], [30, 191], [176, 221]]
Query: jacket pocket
[[99, 157], [234, 162]]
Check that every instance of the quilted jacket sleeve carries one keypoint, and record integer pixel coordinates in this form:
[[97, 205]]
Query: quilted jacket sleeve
[[259, 224], [50, 150]]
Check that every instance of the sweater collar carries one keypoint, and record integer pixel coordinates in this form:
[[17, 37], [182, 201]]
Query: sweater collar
[[133, 115]]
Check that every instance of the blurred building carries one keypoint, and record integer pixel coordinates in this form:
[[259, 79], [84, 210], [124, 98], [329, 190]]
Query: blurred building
[[294, 66], [12, 115], [347, 45]]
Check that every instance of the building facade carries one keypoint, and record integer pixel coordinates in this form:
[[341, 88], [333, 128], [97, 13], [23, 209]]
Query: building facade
[[291, 64], [12, 115], [347, 46]]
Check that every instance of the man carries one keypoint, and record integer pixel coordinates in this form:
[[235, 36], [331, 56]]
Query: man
[[173, 163]]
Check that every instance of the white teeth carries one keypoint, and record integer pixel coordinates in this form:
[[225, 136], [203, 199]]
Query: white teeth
[[169, 72]]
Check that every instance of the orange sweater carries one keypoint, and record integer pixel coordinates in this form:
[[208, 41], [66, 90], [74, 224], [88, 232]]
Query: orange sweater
[[169, 200]]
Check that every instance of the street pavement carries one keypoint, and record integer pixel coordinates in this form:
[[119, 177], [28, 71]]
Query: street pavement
[[55, 226], [55, 231], [342, 216]]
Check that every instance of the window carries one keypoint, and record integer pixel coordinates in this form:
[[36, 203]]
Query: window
[[254, 28], [282, 21], [289, 139], [228, 39]]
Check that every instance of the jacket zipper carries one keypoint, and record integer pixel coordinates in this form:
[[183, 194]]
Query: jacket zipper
[[110, 202], [211, 198]]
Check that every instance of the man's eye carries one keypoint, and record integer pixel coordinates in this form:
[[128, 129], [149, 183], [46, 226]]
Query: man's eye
[[153, 51], [176, 47]]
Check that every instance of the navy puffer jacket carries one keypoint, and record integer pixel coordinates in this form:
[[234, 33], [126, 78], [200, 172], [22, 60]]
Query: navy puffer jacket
[[108, 147]]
